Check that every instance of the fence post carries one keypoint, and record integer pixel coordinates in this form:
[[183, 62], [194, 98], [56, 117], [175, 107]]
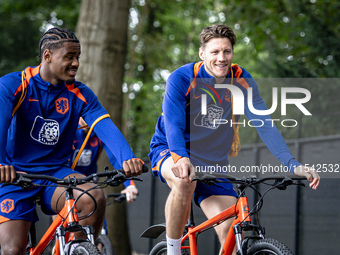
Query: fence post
[[152, 207], [298, 193]]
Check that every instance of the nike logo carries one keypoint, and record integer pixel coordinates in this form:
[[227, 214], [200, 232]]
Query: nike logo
[[33, 100]]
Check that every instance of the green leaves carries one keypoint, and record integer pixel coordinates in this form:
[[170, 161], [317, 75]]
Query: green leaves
[[21, 25], [281, 39]]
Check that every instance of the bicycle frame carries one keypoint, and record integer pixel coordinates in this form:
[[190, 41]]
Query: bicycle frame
[[240, 210], [242, 219], [67, 216], [67, 221]]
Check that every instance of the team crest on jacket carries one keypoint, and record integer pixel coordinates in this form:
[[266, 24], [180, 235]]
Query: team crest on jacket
[[214, 113], [45, 131], [62, 105], [85, 157]]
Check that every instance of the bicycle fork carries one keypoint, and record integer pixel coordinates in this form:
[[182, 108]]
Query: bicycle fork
[[244, 213], [245, 225], [62, 237], [235, 233]]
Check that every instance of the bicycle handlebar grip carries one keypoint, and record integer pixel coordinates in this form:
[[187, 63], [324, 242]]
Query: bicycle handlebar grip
[[121, 171], [145, 169], [17, 175]]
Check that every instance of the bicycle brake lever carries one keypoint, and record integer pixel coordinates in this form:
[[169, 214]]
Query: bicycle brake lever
[[23, 182], [206, 179], [195, 179], [116, 179], [284, 183], [114, 183], [202, 177], [134, 179], [119, 199]]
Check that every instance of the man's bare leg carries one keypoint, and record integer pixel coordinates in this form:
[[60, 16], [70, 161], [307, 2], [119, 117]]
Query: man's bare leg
[[214, 205], [13, 237], [177, 207]]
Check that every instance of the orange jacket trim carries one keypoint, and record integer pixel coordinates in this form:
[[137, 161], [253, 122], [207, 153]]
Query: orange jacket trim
[[175, 157]]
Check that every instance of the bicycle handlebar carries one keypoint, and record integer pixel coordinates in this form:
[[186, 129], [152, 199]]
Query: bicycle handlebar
[[113, 178], [28, 178], [91, 177], [212, 178], [118, 197], [280, 182]]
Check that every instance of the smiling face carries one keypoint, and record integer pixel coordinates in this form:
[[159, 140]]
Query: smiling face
[[217, 55], [61, 64]]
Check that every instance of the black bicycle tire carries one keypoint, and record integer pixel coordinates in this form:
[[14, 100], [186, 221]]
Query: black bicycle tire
[[107, 245], [85, 248], [268, 246], [161, 249]]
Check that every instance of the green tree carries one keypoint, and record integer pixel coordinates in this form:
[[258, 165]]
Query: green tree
[[21, 26], [282, 39], [102, 31], [276, 39]]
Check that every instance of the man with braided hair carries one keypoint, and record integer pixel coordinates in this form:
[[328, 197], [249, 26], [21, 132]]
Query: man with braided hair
[[40, 108], [188, 136]]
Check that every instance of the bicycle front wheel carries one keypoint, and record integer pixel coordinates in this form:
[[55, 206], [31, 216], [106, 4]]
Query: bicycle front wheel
[[269, 247], [104, 242], [85, 248]]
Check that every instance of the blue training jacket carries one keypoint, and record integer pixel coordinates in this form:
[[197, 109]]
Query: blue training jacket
[[41, 133], [87, 163], [186, 132]]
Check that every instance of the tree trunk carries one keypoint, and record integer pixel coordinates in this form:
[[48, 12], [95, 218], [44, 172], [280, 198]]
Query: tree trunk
[[102, 31]]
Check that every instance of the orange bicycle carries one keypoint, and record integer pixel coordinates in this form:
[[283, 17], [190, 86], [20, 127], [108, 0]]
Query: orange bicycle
[[241, 224], [67, 220]]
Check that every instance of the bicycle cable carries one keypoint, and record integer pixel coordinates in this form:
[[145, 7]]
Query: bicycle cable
[[274, 186]]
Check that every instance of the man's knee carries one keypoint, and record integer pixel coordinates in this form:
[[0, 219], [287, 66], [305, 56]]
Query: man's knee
[[188, 187], [182, 187], [97, 196], [178, 186], [7, 249], [13, 245], [13, 236]]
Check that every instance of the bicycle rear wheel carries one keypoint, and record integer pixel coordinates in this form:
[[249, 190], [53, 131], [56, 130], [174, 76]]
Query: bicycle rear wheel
[[85, 248], [106, 245], [269, 247], [161, 249]]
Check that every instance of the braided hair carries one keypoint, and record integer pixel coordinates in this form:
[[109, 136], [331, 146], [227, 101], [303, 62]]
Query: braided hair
[[54, 38]]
